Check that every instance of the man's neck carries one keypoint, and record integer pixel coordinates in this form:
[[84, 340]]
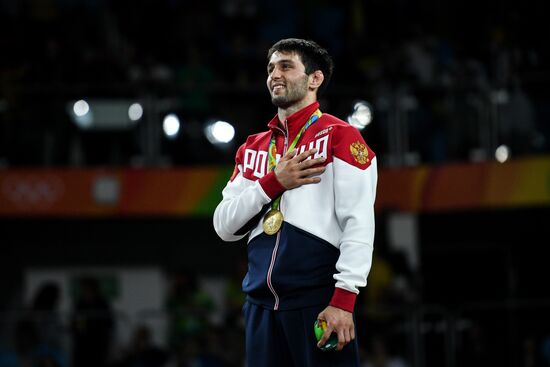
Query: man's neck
[[283, 113]]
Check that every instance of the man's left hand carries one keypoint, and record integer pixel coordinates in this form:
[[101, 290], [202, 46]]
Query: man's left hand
[[340, 322]]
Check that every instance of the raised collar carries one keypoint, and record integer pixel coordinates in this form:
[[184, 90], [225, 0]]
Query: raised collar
[[294, 121]]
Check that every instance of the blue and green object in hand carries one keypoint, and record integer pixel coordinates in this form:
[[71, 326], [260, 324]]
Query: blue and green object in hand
[[320, 327]]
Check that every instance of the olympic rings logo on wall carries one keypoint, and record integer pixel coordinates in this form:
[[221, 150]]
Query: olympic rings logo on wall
[[32, 191]]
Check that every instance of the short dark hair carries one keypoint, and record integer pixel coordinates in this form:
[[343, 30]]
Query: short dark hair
[[313, 56]]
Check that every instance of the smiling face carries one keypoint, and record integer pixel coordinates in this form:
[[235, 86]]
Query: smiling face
[[287, 80]]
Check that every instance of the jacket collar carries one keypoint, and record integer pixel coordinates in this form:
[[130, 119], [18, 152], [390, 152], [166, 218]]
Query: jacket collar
[[294, 121]]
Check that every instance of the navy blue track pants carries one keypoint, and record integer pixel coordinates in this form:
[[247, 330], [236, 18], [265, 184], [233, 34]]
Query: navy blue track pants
[[286, 339]]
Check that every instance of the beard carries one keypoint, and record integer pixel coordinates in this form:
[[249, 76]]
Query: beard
[[294, 92]]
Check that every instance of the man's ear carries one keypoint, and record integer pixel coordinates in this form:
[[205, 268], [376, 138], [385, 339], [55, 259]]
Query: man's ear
[[316, 79]]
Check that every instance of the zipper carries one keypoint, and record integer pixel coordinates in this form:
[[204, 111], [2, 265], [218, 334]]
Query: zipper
[[269, 284], [286, 137], [285, 133]]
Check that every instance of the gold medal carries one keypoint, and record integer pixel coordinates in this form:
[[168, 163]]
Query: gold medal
[[273, 221]]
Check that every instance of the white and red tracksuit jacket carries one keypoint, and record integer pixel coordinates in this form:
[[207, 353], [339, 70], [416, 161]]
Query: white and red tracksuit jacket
[[323, 252]]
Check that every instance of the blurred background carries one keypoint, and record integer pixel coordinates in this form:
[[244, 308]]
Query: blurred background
[[119, 121]]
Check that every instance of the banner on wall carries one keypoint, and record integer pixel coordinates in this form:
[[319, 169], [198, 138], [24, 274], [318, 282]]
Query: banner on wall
[[195, 192]]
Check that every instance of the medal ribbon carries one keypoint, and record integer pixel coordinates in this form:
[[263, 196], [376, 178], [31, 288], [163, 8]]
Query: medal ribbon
[[272, 151]]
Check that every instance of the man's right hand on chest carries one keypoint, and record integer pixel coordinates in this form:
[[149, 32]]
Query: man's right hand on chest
[[295, 170]]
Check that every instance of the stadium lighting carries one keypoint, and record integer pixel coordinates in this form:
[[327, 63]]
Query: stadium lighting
[[105, 114], [81, 108], [82, 114], [219, 132], [500, 96], [502, 153], [171, 125], [361, 115], [135, 111]]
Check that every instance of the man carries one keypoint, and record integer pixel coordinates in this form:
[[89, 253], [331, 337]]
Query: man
[[304, 193]]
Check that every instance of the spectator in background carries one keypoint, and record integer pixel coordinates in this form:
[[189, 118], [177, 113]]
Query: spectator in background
[[46, 318], [25, 344], [516, 119], [233, 331], [92, 325], [391, 282], [545, 351], [234, 296], [420, 62], [391, 289], [142, 352], [189, 309], [196, 77], [210, 349], [378, 355], [37, 333]]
